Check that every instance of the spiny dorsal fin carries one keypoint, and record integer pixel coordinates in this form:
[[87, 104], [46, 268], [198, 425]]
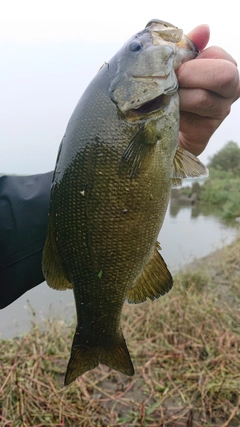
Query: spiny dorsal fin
[[154, 280], [186, 165]]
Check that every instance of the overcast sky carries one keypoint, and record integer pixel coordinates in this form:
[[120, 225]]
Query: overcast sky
[[50, 50]]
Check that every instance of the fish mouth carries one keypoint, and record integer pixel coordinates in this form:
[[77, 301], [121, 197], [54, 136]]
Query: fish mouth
[[149, 107], [157, 103]]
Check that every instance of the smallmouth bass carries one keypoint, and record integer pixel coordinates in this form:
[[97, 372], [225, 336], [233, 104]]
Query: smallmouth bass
[[111, 186]]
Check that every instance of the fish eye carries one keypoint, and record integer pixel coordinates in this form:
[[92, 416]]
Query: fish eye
[[135, 46]]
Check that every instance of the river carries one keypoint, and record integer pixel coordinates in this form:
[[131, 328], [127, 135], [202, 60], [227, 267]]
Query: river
[[187, 234]]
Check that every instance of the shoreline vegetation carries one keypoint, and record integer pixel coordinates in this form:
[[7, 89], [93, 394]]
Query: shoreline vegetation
[[185, 347], [221, 189]]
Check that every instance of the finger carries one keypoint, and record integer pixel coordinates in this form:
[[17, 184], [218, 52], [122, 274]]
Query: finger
[[217, 75], [204, 103], [237, 95], [197, 139], [216, 52], [200, 36]]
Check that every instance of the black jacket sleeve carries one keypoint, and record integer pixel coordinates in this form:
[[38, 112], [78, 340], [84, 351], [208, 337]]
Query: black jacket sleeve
[[24, 204]]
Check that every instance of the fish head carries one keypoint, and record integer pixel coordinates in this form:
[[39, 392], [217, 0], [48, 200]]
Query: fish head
[[145, 66]]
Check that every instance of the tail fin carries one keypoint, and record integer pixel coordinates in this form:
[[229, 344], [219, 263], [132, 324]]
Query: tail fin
[[83, 359]]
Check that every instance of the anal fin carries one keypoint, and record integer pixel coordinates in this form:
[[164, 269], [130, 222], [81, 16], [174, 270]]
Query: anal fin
[[154, 280]]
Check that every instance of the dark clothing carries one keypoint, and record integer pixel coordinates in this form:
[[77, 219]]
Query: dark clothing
[[24, 204]]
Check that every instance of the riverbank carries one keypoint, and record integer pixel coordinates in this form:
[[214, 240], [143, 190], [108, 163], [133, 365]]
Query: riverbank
[[185, 348]]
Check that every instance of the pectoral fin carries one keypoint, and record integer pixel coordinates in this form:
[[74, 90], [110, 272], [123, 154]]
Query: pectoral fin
[[186, 165], [154, 281], [136, 151], [51, 266]]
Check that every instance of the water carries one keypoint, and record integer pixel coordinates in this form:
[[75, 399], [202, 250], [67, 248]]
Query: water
[[187, 234]]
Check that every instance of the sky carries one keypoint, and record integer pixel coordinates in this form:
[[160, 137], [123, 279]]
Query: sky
[[50, 51]]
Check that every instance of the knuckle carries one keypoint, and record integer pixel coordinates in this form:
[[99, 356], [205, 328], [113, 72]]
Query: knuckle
[[212, 105], [228, 79], [216, 52], [205, 100], [221, 109]]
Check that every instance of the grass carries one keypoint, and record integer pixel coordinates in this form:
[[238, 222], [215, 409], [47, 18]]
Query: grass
[[186, 352]]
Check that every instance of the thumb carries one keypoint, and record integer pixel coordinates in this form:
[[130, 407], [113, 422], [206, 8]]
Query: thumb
[[200, 36]]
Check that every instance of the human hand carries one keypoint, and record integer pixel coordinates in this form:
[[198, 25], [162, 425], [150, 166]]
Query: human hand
[[208, 86]]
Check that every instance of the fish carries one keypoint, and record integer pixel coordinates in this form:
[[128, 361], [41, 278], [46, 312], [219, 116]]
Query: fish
[[116, 165]]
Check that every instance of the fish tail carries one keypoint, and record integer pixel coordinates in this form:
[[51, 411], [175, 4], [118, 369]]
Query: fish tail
[[117, 356], [83, 358]]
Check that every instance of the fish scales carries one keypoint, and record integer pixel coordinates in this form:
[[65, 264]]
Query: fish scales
[[110, 191], [104, 233]]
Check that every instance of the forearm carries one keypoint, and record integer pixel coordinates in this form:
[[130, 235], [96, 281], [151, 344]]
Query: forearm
[[24, 203]]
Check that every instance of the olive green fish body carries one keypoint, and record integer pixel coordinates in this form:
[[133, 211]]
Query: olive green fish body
[[109, 196]]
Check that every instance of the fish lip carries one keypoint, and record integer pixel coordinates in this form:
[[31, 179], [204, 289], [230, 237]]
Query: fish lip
[[137, 76], [159, 21], [163, 31], [196, 50]]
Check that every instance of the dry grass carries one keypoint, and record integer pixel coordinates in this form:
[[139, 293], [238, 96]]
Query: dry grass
[[186, 352]]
